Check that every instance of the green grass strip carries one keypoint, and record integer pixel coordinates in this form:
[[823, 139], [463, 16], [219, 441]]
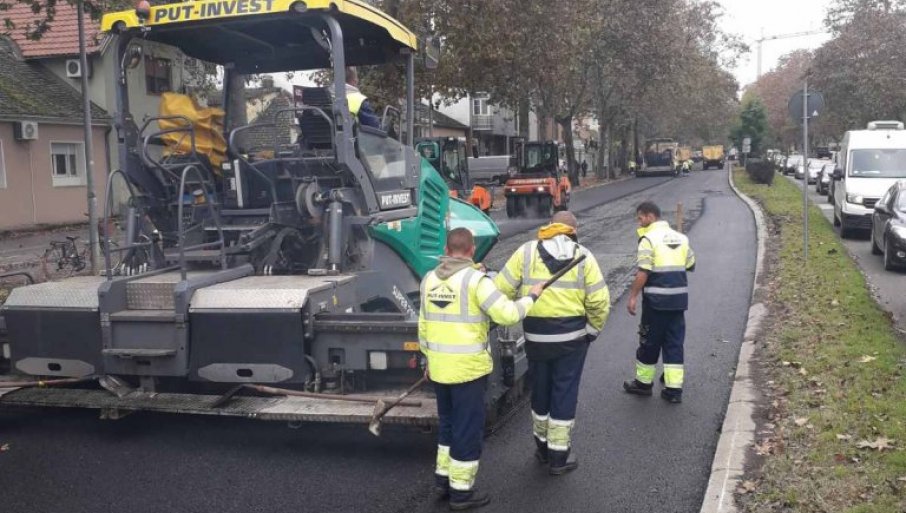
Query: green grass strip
[[833, 375]]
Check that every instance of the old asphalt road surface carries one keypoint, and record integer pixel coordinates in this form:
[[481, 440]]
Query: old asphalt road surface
[[888, 286], [636, 454]]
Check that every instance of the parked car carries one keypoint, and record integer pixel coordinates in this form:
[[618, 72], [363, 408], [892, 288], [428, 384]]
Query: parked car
[[825, 178], [793, 162], [800, 169], [814, 169], [888, 227], [872, 161]]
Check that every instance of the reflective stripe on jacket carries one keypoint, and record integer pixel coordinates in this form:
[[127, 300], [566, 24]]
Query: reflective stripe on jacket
[[574, 306], [666, 255], [454, 319]]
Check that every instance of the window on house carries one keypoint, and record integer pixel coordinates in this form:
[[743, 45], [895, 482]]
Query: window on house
[[2, 168], [157, 75], [480, 106], [68, 163]]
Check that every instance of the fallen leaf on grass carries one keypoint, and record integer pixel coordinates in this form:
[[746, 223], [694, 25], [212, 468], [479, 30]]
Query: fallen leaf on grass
[[803, 372], [866, 359], [881, 443], [902, 478], [746, 487], [835, 303], [844, 437], [800, 421]]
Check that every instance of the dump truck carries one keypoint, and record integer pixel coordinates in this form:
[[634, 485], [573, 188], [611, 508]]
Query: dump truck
[[540, 185], [448, 157], [713, 156], [293, 271], [660, 158]]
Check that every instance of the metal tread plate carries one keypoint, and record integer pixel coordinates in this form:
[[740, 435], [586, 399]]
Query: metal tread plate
[[261, 408], [79, 292], [257, 292]]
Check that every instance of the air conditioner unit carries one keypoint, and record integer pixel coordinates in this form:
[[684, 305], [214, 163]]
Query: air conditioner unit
[[74, 68], [25, 130]]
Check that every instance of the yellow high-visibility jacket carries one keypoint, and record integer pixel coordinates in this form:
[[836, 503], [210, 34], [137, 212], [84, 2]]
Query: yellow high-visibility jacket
[[454, 319], [574, 307]]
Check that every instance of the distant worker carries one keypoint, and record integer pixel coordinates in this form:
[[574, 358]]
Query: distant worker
[[359, 106], [558, 331], [458, 303], [664, 256], [687, 167], [584, 168], [633, 167]]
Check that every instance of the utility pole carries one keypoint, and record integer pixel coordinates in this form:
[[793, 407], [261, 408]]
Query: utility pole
[[93, 248]]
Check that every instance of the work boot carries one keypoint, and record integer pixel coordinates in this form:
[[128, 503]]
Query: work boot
[[636, 387], [461, 501], [562, 462], [672, 395], [541, 450], [442, 486]]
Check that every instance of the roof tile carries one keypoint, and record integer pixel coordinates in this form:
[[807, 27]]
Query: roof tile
[[63, 37]]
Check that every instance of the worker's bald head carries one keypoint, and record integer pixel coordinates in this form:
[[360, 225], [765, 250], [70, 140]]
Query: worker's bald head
[[352, 76], [460, 243], [565, 217]]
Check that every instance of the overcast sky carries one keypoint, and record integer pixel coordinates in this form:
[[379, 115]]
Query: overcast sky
[[747, 18]]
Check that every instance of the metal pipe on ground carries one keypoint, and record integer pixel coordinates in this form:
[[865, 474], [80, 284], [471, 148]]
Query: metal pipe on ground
[[225, 398]]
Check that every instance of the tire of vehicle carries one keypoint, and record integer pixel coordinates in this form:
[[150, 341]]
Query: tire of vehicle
[[511, 210], [545, 206], [845, 231], [888, 259], [875, 250]]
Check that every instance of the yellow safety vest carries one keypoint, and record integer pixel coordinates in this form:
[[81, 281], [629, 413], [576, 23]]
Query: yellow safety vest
[[355, 101], [666, 255], [454, 319], [574, 306]]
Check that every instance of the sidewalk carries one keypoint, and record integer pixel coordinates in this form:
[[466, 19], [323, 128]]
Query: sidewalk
[[22, 250]]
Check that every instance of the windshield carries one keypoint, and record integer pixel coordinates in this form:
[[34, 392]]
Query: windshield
[[901, 202], [536, 156], [817, 164], [794, 160], [878, 163]]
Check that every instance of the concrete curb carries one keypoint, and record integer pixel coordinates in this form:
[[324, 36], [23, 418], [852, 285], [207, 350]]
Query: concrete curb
[[738, 430]]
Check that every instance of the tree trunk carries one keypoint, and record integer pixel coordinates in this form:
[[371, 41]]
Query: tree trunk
[[611, 172], [236, 108], [524, 119], [600, 163], [566, 123]]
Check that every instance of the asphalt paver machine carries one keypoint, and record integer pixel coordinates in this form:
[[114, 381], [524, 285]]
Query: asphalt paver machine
[[295, 268]]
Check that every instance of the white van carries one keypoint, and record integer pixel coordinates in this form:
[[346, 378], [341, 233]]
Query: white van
[[870, 161]]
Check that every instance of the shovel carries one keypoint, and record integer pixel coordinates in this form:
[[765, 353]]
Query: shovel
[[381, 409]]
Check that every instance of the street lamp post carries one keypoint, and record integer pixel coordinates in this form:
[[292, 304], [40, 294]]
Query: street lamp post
[[94, 253]]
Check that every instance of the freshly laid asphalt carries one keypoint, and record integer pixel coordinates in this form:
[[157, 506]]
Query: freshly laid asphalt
[[636, 454], [888, 286]]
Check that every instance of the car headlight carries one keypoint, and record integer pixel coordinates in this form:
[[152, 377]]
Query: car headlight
[[855, 199]]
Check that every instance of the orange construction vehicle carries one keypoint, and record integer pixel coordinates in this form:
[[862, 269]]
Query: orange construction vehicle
[[448, 156], [539, 186]]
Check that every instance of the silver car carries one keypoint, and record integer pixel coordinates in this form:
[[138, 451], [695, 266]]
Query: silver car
[[814, 169]]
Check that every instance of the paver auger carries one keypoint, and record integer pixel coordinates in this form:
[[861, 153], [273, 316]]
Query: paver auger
[[292, 267]]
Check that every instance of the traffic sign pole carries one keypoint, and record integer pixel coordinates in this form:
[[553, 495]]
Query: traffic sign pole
[[805, 114]]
